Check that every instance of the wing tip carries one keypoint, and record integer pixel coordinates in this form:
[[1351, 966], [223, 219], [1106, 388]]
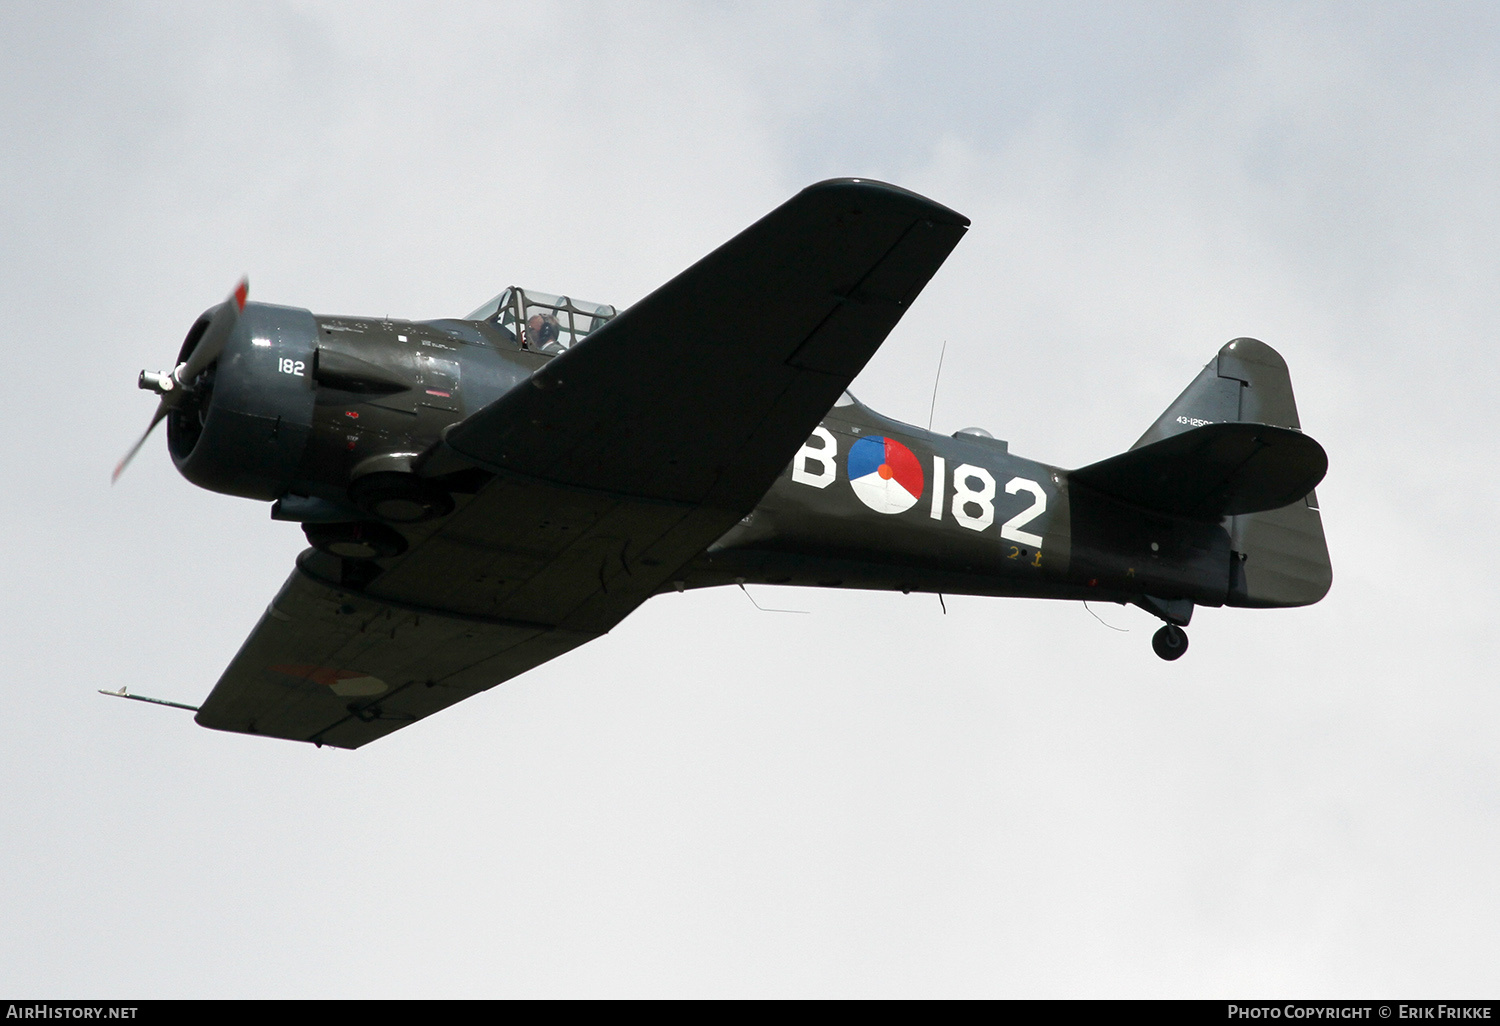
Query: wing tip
[[888, 194]]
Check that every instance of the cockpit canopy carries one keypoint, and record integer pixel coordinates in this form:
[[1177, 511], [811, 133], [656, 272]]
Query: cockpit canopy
[[542, 322]]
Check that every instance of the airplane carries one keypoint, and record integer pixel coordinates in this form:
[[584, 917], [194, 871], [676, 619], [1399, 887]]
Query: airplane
[[484, 494]]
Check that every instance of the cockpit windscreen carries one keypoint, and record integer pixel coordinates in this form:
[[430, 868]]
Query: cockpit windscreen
[[542, 322]]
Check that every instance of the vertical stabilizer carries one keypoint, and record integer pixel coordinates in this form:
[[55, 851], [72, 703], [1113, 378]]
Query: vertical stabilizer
[[1280, 557], [1247, 381]]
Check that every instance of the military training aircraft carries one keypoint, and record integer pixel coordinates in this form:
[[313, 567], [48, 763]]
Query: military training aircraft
[[483, 494]]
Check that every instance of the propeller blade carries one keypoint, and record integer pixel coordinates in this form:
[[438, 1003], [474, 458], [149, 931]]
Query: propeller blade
[[161, 411], [215, 337], [220, 327]]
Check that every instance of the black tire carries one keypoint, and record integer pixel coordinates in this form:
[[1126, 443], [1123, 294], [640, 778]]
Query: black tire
[[355, 541], [1170, 642], [400, 498]]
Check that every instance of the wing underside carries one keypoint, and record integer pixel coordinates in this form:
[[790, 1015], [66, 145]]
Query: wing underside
[[702, 391], [329, 665]]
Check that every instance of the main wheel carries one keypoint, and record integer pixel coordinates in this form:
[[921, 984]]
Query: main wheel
[[355, 541], [400, 498], [1170, 642]]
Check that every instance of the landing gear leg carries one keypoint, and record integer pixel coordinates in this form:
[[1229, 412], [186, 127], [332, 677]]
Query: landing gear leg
[[1170, 642]]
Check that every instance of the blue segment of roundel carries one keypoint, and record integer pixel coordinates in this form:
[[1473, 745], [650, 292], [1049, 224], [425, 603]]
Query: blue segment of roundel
[[866, 456]]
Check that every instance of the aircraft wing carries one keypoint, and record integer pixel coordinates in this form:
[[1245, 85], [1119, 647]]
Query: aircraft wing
[[621, 461], [702, 391], [330, 665]]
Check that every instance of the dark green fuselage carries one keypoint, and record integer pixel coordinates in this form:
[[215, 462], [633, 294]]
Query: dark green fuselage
[[986, 523], [303, 403]]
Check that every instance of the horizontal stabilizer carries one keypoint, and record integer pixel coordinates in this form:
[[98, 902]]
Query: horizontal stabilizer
[[1213, 471]]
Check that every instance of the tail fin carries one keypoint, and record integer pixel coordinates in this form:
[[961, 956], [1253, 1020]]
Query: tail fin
[[1280, 556]]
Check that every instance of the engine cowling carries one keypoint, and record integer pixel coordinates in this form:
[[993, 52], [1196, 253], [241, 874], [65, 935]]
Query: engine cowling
[[245, 428]]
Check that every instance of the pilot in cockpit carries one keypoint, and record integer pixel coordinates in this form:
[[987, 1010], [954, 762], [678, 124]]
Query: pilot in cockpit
[[542, 334]]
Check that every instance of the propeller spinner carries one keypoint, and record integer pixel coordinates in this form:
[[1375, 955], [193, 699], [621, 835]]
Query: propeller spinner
[[176, 385]]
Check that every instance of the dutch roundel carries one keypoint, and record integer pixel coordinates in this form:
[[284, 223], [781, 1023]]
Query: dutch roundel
[[884, 474]]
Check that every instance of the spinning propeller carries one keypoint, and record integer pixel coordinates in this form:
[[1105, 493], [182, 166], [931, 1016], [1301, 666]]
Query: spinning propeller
[[176, 386]]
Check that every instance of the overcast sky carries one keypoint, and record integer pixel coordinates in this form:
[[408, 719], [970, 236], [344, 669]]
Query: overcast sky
[[874, 799]]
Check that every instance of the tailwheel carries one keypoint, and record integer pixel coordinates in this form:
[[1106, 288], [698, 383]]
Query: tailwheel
[[1170, 642]]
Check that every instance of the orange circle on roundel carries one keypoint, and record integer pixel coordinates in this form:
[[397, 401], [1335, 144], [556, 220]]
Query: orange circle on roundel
[[885, 475]]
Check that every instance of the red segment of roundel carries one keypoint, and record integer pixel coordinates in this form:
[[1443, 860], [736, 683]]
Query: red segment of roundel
[[905, 468], [317, 674]]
